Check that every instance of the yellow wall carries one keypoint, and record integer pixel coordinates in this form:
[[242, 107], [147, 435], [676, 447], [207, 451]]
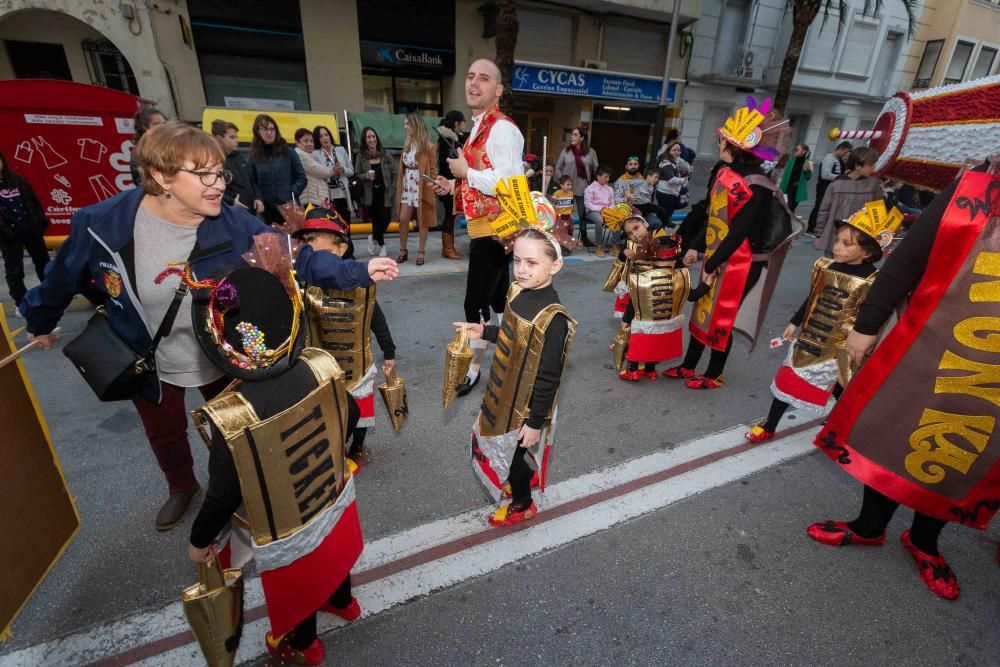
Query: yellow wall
[[52, 28], [333, 55], [951, 20]]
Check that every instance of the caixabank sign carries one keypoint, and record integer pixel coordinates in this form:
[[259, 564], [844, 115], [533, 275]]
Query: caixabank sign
[[383, 55]]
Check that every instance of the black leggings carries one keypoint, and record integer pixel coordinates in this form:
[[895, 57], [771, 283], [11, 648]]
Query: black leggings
[[877, 510], [358, 441], [379, 214], [647, 366], [778, 408], [519, 477], [487, 281], [304, 634], [13, 260], [717, 359]]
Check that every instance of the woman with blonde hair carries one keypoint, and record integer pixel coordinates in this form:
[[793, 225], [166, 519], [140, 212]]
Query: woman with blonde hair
[[414, 194]]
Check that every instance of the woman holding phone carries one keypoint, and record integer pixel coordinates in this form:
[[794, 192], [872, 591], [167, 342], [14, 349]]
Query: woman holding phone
[[417, 170]]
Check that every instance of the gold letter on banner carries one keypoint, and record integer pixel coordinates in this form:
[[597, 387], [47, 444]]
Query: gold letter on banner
[[933, 449], [980, 382], [987, 264]]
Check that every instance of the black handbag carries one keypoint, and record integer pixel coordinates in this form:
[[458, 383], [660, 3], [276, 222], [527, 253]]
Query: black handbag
[[112, 369], [356, 187]]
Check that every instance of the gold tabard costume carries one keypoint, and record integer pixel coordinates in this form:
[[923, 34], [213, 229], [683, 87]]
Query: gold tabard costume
[[340, 322], [291, 466], [507, 402]]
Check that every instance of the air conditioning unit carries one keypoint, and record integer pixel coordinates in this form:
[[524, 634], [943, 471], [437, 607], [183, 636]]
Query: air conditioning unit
[[595, 64]]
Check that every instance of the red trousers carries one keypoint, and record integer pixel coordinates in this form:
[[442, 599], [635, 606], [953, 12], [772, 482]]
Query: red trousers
[[166, 428]]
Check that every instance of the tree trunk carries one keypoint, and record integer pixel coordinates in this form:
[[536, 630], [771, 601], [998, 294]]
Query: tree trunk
[[803, 14], [507, 27]]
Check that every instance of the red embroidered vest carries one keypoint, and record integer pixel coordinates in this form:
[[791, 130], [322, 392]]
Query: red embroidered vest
[[479, 208]]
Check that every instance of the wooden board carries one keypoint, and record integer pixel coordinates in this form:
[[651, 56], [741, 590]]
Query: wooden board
[[37, 514]]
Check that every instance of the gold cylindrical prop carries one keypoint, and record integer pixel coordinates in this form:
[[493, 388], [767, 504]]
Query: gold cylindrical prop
[[621, 349], [614, 276], [457, 357], [393, 392], [214, 609]]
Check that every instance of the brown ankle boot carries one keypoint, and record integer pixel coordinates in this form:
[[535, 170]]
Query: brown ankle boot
[[448, 247]]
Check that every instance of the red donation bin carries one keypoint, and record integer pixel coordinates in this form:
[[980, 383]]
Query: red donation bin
[[72, 141]]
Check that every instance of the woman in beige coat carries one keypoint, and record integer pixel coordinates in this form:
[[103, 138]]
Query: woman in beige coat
[[317, 190], [414, 193], [846, 196]]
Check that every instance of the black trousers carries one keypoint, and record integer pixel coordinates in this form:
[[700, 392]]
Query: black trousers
[[717, 360], [821, 186], [380, 215], [13, 260], [304, 634], [487, 281], [877, 511], [342, 208], [519, 477], [448, 222], [778, 408]]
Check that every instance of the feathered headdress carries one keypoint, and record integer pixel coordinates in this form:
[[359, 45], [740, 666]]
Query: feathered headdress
[[756, 128]]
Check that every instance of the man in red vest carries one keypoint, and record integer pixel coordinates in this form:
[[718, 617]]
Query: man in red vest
[[491, 153]]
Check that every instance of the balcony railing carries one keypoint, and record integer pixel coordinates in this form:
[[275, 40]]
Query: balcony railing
[[738, 62]]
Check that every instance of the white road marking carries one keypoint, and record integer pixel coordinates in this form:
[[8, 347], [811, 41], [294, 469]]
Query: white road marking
[[144, 628]]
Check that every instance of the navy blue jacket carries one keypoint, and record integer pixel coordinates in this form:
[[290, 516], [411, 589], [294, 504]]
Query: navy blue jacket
[[100, 246], [279, 176]]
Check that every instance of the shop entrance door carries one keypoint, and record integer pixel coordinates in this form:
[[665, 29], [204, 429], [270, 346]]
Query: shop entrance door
[[535, 126], [614, 143]]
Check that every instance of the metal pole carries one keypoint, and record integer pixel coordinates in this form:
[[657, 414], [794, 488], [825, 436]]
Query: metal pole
[[661, 111]]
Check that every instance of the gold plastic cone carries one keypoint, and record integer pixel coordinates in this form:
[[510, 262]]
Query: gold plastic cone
[[846, 368], [621, 349], [457, 357], [614, 276], [214, 609], [393, 392]]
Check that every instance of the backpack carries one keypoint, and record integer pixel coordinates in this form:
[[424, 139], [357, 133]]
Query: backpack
[[778, 224]]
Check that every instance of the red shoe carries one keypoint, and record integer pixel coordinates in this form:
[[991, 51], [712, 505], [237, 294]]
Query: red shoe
[[630, 376], [678, 373], [649, 375], [934, 570], [351, 612], [702, 382], [838, 534], [313, 655], [758, 434], [504, 516]]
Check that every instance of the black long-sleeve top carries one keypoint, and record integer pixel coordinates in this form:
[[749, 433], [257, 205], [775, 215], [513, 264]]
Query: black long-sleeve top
[[380, 327], [903, 269], [747, 221], [224, 496], [527, 305], [862, 270]]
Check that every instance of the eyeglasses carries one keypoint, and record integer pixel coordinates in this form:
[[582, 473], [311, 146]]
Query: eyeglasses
[[268, 130], [210, 178]]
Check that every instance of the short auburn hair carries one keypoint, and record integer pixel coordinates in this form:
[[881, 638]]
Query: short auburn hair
[[220, 127], [166, 148]]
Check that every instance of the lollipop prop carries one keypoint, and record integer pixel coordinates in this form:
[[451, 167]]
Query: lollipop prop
[[924, 138]]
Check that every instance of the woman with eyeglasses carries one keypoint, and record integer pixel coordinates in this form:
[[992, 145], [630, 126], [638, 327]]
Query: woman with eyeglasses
[[123, 244], [276, 168]]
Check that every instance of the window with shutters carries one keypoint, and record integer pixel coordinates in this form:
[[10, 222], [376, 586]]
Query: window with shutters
[[984, 62], [821, 44], [543, 37], [928, 63], [715, 116], [959, 61], [633, 51], [857, 56]]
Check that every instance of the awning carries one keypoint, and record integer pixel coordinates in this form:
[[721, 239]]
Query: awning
[[389, 128]]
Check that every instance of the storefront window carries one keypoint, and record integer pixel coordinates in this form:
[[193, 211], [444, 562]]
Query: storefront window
[[418, 95], [378, 93]]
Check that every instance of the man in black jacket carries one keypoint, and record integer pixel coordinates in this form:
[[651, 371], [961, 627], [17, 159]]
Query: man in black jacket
[[241, 190], [22, 225]]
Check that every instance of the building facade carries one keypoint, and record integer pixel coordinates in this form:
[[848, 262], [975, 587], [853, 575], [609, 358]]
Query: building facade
[[592, 63], [848, 67], [957, 40]]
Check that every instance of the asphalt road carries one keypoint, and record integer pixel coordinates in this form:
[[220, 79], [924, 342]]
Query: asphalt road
[[725, 577]]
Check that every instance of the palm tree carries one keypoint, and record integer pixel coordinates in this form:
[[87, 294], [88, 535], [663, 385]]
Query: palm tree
[[506, 33], [804, 12]]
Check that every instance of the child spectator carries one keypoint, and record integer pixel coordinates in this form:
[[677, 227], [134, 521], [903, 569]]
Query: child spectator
[[597, 197]]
